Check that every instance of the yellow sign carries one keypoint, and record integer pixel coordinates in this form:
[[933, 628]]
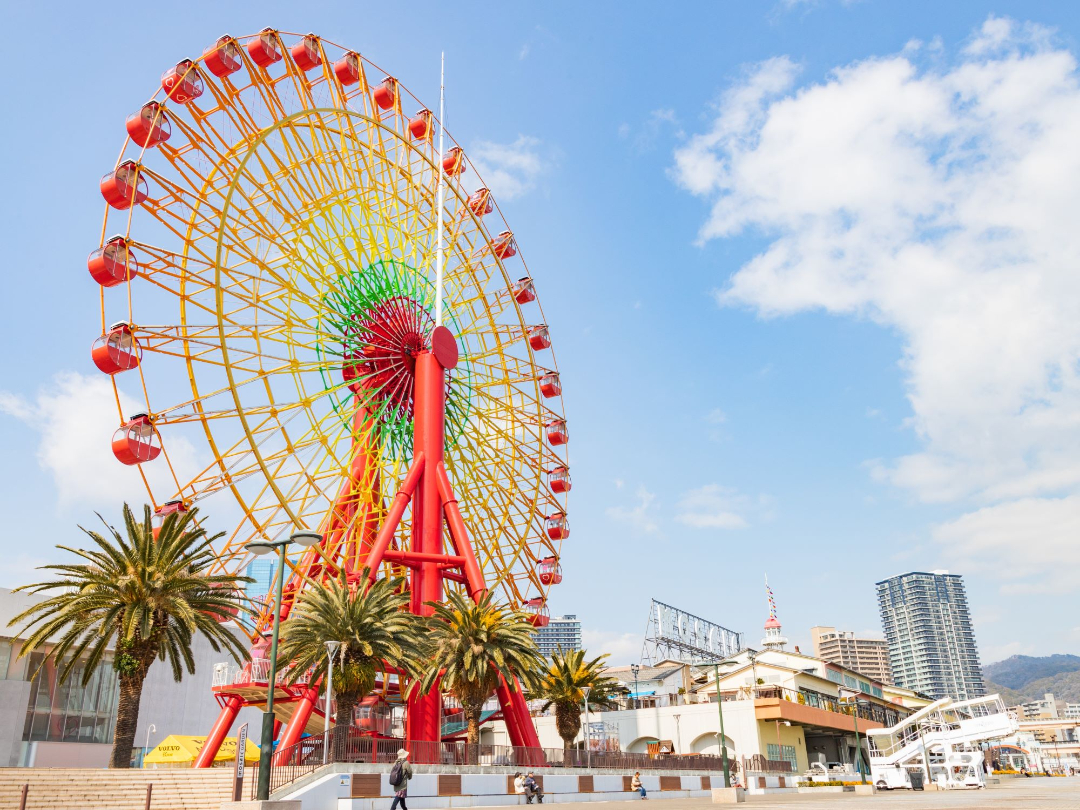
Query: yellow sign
[[178, 749]]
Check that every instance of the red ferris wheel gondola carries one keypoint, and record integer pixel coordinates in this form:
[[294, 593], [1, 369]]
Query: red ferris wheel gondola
[[117, 350], [306, 53], [223, 58], [559, 480], [549, 571], [136, 441], [524, 291], [149, 126], [538, 611], [112, 263]]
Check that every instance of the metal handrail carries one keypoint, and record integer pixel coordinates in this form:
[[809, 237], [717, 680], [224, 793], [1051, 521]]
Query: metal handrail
[[307, 756]]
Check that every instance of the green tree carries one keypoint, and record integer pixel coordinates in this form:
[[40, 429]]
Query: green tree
[[561, 686], [473, 645], [145, 597], [373, 627]]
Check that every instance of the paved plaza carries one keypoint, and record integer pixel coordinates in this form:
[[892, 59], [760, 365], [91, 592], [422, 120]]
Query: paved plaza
[[1013, 794]]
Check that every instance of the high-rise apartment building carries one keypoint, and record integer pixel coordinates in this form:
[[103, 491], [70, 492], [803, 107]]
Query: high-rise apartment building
[[869, 656], [562, 632], [928, 629]]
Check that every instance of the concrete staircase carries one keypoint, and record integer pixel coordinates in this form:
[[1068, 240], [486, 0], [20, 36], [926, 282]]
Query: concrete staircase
[[91, 789]]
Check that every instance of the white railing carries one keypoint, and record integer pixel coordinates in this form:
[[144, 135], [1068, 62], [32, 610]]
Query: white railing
[[255, 671], [223, 675], [943, 722]]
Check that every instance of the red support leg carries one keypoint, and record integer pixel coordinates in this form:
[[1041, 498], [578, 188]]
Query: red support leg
[[424, 711], [218, 733], [297, 723]]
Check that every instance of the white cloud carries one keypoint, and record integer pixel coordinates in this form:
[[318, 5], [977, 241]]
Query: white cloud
[[641, 516], [75, 417], [1037, 536], [510, 170], [713, 507], [524, 52], [941, 203], [624, 648]]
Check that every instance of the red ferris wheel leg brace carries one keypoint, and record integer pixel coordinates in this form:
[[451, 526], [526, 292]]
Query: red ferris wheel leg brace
[[427, 486]]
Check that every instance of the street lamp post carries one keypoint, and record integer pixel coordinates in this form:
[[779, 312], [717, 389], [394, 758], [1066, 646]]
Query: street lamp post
[[858, 742], [635, 668], [723, 736], [588, 751], [331, 650], [266, 749], [147, 746]]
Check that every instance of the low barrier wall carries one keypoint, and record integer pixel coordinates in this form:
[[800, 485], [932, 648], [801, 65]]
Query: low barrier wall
[[341, 790]]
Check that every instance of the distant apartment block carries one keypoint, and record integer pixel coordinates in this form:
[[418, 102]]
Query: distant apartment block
[[562, 632], [1049, 708], [868, 656], [928, 630]]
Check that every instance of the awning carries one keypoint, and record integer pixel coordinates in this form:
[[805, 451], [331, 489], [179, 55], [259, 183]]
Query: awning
[[643, 694], [179, 748]]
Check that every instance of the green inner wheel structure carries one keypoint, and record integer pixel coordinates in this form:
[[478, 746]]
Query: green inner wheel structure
[[370, 324]]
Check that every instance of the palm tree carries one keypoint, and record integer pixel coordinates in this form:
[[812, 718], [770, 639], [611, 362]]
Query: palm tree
[[474, 645], [562, 684], [373, 627], [145, 597]]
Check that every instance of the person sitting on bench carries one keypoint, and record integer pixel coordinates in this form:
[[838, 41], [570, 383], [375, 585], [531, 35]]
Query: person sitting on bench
[[533, 789]]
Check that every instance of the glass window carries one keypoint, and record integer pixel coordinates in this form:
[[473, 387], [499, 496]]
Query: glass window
[[785, 753], [70, 711], [40, 728]]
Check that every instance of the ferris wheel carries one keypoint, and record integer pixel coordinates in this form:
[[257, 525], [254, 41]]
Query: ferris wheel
[[268, 293]]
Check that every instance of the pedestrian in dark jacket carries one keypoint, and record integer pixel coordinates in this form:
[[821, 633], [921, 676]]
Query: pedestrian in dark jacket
[[400, 775]]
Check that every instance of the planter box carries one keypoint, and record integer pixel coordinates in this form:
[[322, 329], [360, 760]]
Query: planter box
[[733, 795], [865, 790]]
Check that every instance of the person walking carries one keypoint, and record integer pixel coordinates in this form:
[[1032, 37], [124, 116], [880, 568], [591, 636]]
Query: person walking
[[635, 784], [533, 790], [400, 775]]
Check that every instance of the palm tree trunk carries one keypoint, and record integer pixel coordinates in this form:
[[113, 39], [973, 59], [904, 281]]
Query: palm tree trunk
[[472, 735], [346, 702], [566, 753], [127, 718]]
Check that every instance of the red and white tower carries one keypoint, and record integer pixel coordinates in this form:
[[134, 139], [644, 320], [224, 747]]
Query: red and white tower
[[774, 639]]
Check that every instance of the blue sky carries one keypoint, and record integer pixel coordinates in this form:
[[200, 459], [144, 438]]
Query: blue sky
[[809, 269]]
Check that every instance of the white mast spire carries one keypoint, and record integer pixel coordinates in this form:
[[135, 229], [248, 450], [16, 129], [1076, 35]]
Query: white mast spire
[[439, 194]]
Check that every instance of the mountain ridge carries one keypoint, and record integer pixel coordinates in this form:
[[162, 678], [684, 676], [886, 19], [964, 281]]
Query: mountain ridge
[[1023, 678]]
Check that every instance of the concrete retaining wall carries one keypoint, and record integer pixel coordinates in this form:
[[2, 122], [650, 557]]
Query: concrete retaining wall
[[334, 790]]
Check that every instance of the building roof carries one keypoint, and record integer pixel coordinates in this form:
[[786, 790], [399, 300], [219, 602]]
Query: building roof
[[646, 673]]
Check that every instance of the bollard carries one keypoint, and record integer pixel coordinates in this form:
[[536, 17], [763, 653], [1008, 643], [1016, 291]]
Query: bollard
[[149, 790], [22, 798]]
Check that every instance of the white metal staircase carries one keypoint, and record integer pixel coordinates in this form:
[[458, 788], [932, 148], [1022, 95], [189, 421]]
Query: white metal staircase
[[942, 741]]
